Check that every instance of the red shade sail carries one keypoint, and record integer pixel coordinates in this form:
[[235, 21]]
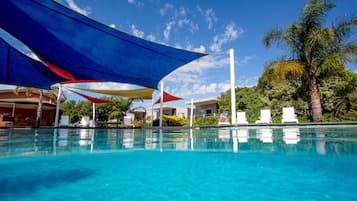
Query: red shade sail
[[90, 98], [167, 97]]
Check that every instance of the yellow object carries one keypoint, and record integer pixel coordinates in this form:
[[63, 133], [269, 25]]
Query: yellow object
[[144, 93]]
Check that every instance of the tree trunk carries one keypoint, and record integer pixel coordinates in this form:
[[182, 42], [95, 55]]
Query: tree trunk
[[39, 110], [315, 99]]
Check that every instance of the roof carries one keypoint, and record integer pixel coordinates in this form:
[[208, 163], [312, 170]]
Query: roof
[[79, 48], [206, 101]]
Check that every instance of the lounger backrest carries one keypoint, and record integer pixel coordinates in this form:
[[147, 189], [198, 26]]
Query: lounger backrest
[[265, 115], [288, 113]]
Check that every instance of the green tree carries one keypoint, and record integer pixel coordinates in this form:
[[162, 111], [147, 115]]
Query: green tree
[[120, 106], [70, 108], [278, 94], [248, 100], [315, 50]]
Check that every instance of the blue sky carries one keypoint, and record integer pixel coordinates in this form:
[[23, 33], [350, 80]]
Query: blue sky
[[208, 26]]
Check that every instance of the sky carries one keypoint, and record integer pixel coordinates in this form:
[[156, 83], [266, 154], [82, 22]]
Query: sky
[[208, 26]]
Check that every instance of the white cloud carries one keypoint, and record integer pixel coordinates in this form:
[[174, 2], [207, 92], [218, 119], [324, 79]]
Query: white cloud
[[164, 10], [75, 7], [167, 30], [245, 60], [201, 49], [192, 72], [199, 89], [246, 81], [231, 33], [136, 3], [186, 22], [136, 32], [209, 15], [179, 19], [151, 37], [210, 18]]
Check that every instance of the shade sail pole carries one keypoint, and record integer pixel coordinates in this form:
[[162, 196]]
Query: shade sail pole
[[161, 101], [152, 112], [191, 113], [13, 114], [233, 91], [94, 114], [58, 104]]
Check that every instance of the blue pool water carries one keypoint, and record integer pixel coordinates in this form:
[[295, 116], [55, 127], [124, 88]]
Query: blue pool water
[[267, 163]]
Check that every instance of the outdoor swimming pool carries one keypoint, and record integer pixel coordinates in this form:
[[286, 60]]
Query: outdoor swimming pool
[[256, 163]]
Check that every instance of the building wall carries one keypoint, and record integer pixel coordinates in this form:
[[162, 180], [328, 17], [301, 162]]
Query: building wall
[[26, 117], [206, 110], [26, 112]]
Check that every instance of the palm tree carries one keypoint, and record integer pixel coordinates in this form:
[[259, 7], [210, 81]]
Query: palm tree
[[316, 51]]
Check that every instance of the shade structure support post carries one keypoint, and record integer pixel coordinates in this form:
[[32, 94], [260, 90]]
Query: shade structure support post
[[161, 101], [58, 104], [191, 113], [152, 112], [233, 91], [94, 121], [13, 114]]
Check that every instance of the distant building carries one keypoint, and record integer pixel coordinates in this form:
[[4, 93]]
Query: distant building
[[167, 110], [20, 110], [205, 107]]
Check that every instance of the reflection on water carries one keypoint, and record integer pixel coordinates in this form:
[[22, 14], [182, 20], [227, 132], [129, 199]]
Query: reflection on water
[[318, 139]]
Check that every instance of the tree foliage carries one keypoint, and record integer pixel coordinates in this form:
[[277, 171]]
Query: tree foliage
[[316, 51], [116, 109]]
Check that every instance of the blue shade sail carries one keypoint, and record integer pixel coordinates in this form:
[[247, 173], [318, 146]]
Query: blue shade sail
[[87, 49], [19, 69]]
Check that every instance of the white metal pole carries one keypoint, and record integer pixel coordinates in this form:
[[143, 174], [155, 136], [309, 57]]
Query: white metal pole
[[152, 112], [13, 114], [161, 101], [58, 104], [233, 91], [13, 110], [94, 121], [191, 113]]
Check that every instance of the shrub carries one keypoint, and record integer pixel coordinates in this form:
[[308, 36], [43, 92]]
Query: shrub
[[206, 121], [169, 120]]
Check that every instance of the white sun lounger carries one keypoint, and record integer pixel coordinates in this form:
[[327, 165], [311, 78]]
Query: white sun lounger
[[241, 118], [265, 117], [289, 115]]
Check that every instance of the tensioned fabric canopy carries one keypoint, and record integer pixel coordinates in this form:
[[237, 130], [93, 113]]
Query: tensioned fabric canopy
[[90, 98], [144, 93], [166, 98], [19, 69], [83, 49]]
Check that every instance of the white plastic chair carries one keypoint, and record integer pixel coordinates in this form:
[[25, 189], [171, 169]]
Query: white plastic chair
[[84, 121], [64, 120], [265, 117], [241, 118], [128, 122], [289, 115]]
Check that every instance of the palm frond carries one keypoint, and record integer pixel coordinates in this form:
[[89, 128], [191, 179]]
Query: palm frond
[[289, 68], [314, 12], [272, 36]]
